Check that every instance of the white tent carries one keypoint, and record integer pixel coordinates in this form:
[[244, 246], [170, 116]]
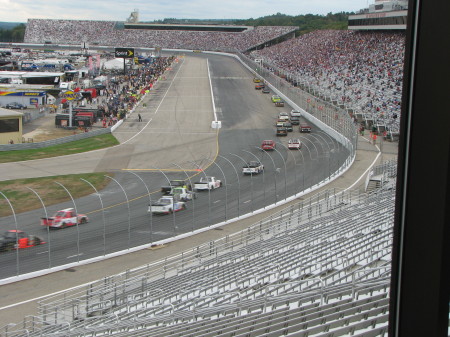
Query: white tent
[[113, 64]]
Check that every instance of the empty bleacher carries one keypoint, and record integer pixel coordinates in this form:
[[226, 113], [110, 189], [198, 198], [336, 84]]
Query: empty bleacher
[[317, 268]]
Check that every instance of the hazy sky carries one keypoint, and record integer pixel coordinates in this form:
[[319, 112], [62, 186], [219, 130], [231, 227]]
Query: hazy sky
[[119, 10]]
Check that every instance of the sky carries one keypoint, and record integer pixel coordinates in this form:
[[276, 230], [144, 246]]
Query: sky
[[119, 10]]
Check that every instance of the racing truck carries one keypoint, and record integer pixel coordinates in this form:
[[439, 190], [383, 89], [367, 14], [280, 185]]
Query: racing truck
[[268, 145], [182, 193], [175, 183], [294, 144], [16, 239], [207, 183], [65, 218], [166, 205], [304, 127], [253, 167]]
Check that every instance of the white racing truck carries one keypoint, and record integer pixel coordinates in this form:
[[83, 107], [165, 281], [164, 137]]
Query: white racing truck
[[182, 193], [166, 205], [207, 183], [253, 167]]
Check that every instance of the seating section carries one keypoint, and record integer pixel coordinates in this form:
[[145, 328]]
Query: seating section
[[361, 71], [107, 33], [318, 268]]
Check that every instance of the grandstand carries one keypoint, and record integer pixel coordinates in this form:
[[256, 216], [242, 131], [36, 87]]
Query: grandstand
[[320, 267], [360, 71], [111, 33]]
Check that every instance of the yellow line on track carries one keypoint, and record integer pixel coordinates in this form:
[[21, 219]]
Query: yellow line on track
[[164, 170]]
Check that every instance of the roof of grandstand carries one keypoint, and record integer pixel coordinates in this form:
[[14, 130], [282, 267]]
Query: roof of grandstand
[[188, 27]]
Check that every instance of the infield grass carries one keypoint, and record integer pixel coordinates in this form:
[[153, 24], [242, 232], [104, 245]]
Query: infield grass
[[23, 199], [79, 146]]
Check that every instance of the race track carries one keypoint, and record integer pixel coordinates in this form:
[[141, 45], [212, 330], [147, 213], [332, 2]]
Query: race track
[[174, 140]]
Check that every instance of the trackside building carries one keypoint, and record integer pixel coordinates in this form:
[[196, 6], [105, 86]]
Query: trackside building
[[10, 126], [28, 98]]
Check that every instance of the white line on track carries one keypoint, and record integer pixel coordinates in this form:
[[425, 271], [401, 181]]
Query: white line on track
[[212, 93], [72, 256]]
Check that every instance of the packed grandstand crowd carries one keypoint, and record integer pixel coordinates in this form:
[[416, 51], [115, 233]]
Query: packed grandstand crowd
[[361, 71], [106, 33]]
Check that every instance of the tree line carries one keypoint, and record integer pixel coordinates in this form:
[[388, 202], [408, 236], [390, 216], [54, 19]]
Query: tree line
[[306, 22], [15, 34]]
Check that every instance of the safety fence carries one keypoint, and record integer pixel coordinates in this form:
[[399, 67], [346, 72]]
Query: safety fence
[[351, 263], [288, 174]]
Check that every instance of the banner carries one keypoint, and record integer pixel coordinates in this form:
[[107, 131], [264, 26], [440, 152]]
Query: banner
[[14, 93]]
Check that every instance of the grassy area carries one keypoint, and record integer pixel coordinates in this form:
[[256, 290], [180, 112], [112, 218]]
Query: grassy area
[[84, 145], [22, 199]]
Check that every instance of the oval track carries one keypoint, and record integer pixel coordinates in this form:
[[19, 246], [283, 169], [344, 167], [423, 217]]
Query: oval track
[[176, 137]]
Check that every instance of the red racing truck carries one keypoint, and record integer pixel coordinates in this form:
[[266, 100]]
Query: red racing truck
[[65, 218]]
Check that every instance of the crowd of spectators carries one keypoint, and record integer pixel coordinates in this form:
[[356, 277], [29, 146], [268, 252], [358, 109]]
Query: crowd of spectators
[[362, 71], [120, 93], [107, 33]]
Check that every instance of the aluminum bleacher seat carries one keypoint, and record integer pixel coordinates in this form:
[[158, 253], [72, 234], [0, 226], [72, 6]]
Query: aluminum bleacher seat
[[311, 258]]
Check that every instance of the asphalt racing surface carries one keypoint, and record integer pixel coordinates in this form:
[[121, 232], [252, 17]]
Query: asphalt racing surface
[[174, 141]]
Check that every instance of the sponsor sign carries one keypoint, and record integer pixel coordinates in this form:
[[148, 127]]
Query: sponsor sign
[[69, 95], [21, 93], [126, 53]]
